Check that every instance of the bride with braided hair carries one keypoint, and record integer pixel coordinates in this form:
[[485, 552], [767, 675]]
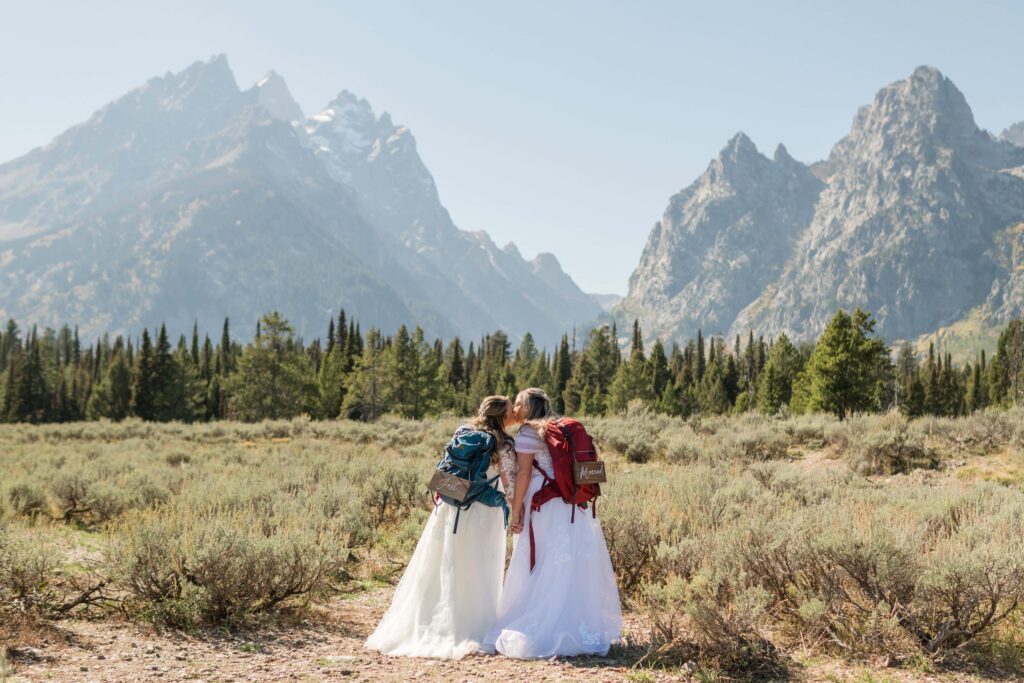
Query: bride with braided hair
[[447, 598]]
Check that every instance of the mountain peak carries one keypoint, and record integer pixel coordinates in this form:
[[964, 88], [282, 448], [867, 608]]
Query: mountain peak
[[927, 73], [273, 94], [781, 155], [739, 144], [347, 111], [926, 102], [925, 108], [546, 261], [213, 73], [349, 101]]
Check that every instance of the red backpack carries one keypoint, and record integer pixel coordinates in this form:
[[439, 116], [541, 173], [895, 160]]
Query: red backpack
[[568, 443]]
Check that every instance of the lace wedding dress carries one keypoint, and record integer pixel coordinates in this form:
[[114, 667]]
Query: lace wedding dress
[[447, 598]]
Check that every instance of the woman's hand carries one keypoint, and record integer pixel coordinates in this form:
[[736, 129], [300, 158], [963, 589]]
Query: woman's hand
[[516, 522]]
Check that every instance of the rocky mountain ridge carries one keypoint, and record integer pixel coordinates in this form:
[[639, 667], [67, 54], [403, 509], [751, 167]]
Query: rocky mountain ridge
[[188, 198], [914, 216]]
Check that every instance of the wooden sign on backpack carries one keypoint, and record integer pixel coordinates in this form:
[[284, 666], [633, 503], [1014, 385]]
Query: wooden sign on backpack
[[449, 485], [589, 472]]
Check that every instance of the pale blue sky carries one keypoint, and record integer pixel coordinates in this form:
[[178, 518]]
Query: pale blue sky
[[561, 125]]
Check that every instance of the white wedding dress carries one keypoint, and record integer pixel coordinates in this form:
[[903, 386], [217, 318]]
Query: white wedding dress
[[447, 598], [569, 604]]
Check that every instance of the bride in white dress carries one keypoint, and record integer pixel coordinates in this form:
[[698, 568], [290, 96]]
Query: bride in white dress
[[447, 598], [569, 603]]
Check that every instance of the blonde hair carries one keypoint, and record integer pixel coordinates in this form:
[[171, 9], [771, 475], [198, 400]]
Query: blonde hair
[[538, 408], [490, 417]]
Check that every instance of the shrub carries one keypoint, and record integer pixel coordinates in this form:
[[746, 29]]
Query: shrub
[[891, 452], [185, 564], [390, 492], [27, 499], [682, 446], [727, 625], [760, 442], [810, 429]]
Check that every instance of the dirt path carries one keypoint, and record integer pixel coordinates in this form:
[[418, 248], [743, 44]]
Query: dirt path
[[328, 646]]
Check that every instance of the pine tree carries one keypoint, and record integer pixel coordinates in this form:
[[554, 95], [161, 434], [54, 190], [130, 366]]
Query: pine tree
[[112, 397], [7, 413], [1006, 370], [713, 399], [676, 360], [701, 363], [195, 344], [561, 372], [164, 382], [542, 374], [785, 363], [932, 397], [670, 402], [637, 347], [770, 394], [216, 400], [658, 369], [330, 337], [525, 361], [454, 371], [31, 400], [227, 359], [731, 377], [586, 391], [11, 342], [616, 351], [365, 399], [274, 378], [412, 374], [844, 369], [187, 392], [206, 364], [750, 369]]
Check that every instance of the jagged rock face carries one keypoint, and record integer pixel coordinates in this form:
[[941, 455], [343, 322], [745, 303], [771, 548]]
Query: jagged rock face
[[1006, 299], [135, 142], [274, 96], [379, 161], [238, 220], [721, 241], [913, 204], [190, 199], [915, 195], [1014, 134]]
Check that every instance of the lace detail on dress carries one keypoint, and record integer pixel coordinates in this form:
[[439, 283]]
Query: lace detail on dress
[[507, 467]]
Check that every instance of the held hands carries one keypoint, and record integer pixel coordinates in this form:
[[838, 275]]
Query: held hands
[[516, 523]]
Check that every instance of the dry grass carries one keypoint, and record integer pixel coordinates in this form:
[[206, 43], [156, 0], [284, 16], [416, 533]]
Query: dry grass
[[734, 548]]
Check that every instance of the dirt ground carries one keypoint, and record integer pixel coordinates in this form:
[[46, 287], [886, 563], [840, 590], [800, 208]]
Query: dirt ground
[[328, 646]]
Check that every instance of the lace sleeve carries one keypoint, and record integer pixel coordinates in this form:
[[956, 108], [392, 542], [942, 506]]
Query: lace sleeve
[[507, 467]]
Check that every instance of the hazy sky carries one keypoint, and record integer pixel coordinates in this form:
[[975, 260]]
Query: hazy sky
[[563, 126]]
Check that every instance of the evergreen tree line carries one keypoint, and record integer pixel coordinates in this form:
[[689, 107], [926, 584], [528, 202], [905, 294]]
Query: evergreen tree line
[[52, 377]]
